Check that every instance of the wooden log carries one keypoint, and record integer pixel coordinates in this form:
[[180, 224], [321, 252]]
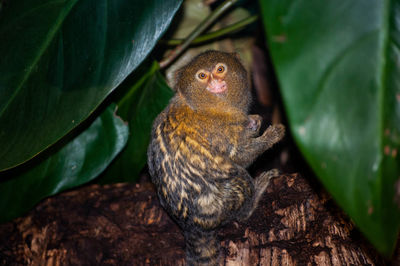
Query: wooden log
[[123, 224]]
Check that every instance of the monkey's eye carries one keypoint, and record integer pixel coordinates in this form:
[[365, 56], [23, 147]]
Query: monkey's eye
[[202, 75], [220, 69]]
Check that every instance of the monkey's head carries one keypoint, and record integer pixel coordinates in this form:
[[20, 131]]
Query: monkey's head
[[214, 79]]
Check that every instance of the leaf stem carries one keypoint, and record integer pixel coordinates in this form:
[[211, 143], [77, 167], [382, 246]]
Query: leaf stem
[[218, 33], [196, 32]]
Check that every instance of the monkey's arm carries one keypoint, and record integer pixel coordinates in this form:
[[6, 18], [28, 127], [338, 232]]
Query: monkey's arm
[[251, 148]]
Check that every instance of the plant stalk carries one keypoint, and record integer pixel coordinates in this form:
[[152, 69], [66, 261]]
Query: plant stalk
[[218, 33], [196, 32]]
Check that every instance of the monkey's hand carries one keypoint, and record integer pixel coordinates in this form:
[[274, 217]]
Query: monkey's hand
[[251, 148], [273, 134], [254, 125]]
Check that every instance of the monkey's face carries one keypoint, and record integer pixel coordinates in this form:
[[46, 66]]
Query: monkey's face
[[214, 79]]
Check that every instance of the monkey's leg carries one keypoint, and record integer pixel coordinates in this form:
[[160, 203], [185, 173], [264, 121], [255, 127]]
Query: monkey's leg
[[260, 185]]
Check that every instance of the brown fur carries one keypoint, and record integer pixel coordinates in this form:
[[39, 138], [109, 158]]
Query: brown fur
[[201, 144]]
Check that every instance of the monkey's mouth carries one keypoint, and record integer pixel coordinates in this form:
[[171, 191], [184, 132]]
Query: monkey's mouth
[[217, 86]]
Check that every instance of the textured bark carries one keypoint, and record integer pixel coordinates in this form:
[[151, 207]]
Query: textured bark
[[123, 224]]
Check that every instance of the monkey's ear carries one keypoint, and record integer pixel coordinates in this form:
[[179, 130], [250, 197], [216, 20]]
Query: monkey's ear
[[177, 75], [237, 55]]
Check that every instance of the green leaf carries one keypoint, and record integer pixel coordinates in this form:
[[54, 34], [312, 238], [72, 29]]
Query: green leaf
[[60, 59], [78, 162], [140, 105], [337, 64]]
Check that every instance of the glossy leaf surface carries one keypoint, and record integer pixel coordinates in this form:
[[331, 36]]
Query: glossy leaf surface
[[144, 100], [60, 59], [78, 162], [337, 65]]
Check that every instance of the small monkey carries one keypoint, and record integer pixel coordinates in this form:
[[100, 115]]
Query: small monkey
[[200, 147]]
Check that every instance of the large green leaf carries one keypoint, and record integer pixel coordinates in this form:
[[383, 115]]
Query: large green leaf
[[144, 100], [60, 59], [338, 66], [78, 162]]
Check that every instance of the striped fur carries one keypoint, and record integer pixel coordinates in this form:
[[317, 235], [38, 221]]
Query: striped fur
[[197, 159]]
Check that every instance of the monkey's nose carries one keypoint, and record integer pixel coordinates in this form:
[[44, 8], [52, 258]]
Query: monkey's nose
[[216, 86]]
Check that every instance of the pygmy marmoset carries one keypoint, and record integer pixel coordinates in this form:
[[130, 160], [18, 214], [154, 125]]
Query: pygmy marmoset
[[200, 146]]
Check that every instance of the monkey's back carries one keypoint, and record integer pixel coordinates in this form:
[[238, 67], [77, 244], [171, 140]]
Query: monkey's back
[[189, 163]]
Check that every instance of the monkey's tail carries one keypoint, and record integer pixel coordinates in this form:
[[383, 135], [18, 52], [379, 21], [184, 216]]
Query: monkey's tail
[[202, 248]]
